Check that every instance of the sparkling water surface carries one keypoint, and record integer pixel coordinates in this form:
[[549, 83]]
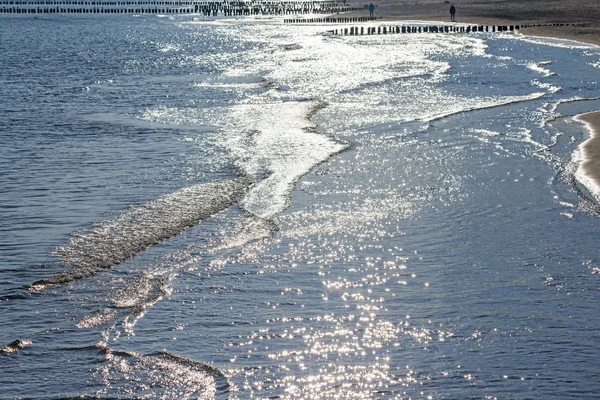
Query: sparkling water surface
[[244, 209]]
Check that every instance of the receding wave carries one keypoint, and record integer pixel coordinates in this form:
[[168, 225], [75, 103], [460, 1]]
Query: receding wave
[[477, 103], [110, 242], [161, 375]]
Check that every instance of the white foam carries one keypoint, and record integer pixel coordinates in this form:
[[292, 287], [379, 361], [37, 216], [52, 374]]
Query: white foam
[[165, 47], [525, 136], [485, 132], [330, 66], [537, 67], [562, 43], [277, 145], [543, 85]]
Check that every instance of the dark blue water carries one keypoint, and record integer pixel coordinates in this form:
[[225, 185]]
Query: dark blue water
[[243, 209]]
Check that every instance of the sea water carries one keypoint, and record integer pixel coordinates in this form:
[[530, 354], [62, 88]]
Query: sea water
[[228, 208]]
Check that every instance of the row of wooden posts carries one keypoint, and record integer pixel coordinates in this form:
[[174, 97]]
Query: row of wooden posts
[[238, 8], [205, 7], [384, 30], [208, 11], [61, 10], [214, 3], [328, 20], [379, 30]]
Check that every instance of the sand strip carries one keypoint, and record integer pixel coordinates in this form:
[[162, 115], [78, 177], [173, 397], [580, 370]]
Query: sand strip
[[588, 172]]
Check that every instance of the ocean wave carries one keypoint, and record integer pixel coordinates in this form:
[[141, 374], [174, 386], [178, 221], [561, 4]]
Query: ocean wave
[[110, 242], [160, 375], [480, 103], [543, 85], [537, 67], [553, 112]]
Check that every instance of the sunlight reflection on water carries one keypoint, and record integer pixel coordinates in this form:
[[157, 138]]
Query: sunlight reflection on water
[[404, 225]]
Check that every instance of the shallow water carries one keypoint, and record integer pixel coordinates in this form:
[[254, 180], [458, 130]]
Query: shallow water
[[244, 209]]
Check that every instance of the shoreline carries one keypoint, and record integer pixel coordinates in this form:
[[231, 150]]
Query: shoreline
[[588, 171], [576, 20]]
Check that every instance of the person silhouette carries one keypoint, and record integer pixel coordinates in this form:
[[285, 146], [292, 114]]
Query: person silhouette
[[452, 13], [371, 10]]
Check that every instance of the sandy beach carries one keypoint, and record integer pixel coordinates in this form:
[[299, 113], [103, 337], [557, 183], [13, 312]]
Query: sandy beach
[[589, 169], [580, 18]]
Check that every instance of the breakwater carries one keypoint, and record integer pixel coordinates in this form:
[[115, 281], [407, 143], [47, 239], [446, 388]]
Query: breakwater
[[207, 8]]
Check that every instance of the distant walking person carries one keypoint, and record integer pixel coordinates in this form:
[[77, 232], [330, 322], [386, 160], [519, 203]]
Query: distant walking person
[[452, 13], [371, 10]]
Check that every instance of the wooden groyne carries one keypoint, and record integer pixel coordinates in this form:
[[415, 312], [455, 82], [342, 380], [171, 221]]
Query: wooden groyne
[[393, 29], [327, 20], [203, 7], [384, 30]]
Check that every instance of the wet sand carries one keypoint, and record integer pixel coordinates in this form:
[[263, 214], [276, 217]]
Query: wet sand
[[589, 169]]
